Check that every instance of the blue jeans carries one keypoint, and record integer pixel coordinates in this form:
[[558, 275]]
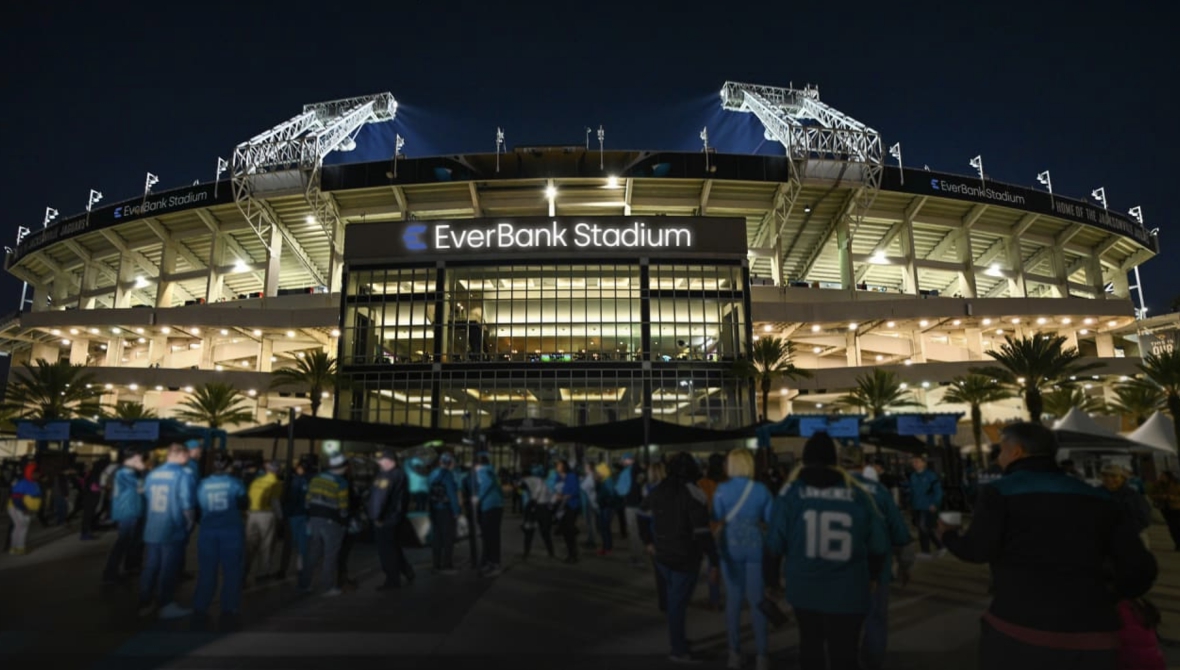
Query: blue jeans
[[925, 521], [876, 630], [161, 570], [743, 582], [298, 526], [126, 548], [605, 514], [591, 518], [680, 586], [220, 549]]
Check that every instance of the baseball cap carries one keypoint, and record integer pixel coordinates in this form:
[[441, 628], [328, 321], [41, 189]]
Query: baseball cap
[[194, 444], [382, 454], [337, 461], [446, 459]]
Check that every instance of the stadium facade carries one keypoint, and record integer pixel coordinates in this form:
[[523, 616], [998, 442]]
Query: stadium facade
[[570, 283]]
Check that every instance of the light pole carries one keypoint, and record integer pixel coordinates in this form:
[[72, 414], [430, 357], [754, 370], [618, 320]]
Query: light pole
[[895, 151], [1136, 213], [499, 145], [398, 143], [705, 143], [977, 163], [1099, 194], [21, 232], [50, 214], [95, 196], [601, 137], [148, 183], [222, 166], [1048, 183]]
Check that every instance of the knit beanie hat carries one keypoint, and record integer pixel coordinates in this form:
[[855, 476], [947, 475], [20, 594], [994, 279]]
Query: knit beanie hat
[[819, 450]]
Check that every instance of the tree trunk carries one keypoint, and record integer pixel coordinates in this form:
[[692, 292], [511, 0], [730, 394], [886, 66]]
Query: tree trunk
[[316, 401], [977, 431], [1035, 405], [766, 399]]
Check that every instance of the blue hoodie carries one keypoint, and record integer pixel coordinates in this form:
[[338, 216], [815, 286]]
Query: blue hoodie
[[623, 482], [572, 489], [171, 492], [490, 495], [925, 490], [895, 525], [447, 479], [127, 498], [222, 499]]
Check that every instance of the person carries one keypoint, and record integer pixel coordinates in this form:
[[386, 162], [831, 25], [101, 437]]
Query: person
[[629, 487], [444, 514], [91, 494], [327, 521], [1069, 467], [741, 506], [569, 507], [295, 512], [656, 473], [488, 499], [23, 503], [265, 513], [714, 475], [1139, 644], [1165, 493], [538, 510], [127, 511], [607, 504], [876, 626], [925, 501], [835, 543], [193, 465], [678, 537], [589, 500], [389, 502], [1115, 480], [466, 480], [221, 497], [171, 514], [1062, 554]]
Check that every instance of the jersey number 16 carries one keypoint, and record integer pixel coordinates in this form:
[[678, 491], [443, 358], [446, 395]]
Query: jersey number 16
[[829, 535]]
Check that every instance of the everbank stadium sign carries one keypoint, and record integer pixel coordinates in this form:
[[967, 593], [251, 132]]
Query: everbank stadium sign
[[128, 210]]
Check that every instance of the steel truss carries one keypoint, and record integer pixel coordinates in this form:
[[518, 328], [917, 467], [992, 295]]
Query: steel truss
[[815, 136], [289, 158]]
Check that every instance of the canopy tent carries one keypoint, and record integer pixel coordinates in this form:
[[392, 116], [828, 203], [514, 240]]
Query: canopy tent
[[630, 433], [60, 430], [1077, 421], [359, 432], [117, 432], [1157, 432], [1072, 440], [509, 430], [805, 425]]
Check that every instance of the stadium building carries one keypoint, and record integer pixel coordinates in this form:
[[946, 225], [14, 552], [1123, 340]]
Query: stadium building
[[571, 284]]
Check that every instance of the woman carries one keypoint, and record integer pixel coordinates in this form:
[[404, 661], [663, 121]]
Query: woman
[[569, 500], [742, 505], [23, 503], [589, 485], [607, 504], [656, 472], [537, 516], [714, 475]]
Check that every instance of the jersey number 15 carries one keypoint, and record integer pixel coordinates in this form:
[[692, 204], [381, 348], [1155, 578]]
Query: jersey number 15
[[829, 535]]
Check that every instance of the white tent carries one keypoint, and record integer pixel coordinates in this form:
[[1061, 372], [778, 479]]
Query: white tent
[[1080, 422], [1157, 432]]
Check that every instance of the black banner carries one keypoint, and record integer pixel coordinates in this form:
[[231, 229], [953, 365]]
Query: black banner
[[559, 236], [958, 187], [201, 195]]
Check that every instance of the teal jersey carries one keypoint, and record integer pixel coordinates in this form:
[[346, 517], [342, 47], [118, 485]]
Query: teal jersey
[[827, 535], [895, 526], [221, 499], [170, 492]]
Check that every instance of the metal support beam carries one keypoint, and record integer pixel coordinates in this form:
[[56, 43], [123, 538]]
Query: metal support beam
[[476, 210], [841, 216], [703, 209]]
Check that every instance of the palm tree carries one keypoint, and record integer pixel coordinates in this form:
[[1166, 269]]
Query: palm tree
[[1030, 365], [49, 391], [975, 391], [876, 392], [1164, 370], [215, 404], [770, 358], [315, 372], [126, 410], [1138, 399], [1061, 399]]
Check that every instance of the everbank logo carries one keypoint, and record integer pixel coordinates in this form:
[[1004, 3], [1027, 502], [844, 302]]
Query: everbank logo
[[149, 206], [972, 191]]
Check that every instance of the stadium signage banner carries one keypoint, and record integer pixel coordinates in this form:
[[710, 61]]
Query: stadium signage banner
[[463, 238], [175, 200], [958, 187]]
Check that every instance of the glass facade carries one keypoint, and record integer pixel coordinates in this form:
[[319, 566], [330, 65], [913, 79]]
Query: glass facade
[[456, 346]]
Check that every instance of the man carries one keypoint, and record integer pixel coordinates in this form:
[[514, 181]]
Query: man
[[389, 500], [295, 512], [1062, 555], [195, 451], [444, 514], [171, 514], [925, 500], [24, 501], [678, 537], [629, 487], [835, 545], [876, 629], [127, 511], [327, 514], [1165, 493], [221, 497], [262, 520], [489, 501], [1115, 479]]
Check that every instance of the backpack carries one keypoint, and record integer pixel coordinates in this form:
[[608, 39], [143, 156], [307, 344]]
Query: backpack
[[438, 494]]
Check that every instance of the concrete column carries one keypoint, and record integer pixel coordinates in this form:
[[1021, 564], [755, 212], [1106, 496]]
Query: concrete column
[[114, 357], [158, 351], [1105, 342], [261, 407], [967, 263], [126, 283], [40, 297], [79, 352], [164, 287], [852, 349], [1016, 284], [1071, 339], [208, 345], [1094, 277], [1122, 287], [776, 261], [216, 280], [89, 282], [60, 290], [1060, 280], [974, 338], [919, 339], [274, 263], [49, 352], [909, 272], [266, 349], [844, 245]]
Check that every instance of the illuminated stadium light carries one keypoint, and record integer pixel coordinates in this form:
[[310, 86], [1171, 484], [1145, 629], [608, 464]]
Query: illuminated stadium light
[[1136, 213], [601, 138], [705, 145], [148, 183], [51, 214], [95, 196], [1044, 179], [500, 145], [551, 191], [977, 163], [612, 182], [994, 270], [895, 151], [1099, 194], [240, 265]]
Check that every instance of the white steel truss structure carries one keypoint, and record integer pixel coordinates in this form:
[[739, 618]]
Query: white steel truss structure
[[816, 138], [289, 158]]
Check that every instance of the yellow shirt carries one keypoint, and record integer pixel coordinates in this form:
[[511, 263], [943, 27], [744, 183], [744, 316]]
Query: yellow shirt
[[264, 491]]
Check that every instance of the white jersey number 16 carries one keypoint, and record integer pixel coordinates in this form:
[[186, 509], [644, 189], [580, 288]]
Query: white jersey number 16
[[829, 535]]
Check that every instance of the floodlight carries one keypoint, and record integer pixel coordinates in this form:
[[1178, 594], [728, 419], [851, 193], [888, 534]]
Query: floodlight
[[50, 214], [977, 163], [222, 166], [1136, 213], [148, 183], [1044, 179], [1099, 194], [95, 196]]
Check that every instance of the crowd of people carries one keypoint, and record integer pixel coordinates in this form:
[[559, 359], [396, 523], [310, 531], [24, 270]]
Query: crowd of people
[[1068, 560]]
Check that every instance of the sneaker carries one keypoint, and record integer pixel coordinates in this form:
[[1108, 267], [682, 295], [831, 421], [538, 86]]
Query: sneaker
[[685, 659], [332, 593], [173, 611], [735, 661]]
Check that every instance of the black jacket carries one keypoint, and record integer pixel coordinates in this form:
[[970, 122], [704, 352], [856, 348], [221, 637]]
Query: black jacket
[[389, 499], [1062, 552], [679, 526]]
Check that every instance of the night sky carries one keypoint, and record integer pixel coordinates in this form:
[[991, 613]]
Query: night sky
[[94, 98]]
